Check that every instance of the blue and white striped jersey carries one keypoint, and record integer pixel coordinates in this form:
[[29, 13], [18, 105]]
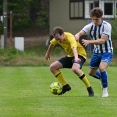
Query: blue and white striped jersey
[[95, 33]]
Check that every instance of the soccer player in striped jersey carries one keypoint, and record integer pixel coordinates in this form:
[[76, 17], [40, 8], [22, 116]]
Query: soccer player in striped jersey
[[76, 56], [100, 36]]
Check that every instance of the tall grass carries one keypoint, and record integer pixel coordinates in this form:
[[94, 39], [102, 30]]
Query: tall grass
[[33, 56], [30, 56]]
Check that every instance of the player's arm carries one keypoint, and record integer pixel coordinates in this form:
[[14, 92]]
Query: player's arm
[[73, 46], [74, 49], [76, 59], [97, 42], [47, 55], [79, 34]]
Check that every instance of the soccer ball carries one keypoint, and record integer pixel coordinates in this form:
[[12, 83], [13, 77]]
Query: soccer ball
[[55, 88]]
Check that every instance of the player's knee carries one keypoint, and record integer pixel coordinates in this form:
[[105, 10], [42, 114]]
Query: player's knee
[[103, 66], [75, 69], [51, 67], [90, 73], [102, 69]]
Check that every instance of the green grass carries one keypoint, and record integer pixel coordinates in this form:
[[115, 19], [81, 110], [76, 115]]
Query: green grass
[[24, 92]]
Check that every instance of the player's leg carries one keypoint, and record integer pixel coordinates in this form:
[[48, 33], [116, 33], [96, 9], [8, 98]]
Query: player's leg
[[94, 65], [54, 67], [76, 68], [104, 78], [97, 74], [106, 58]]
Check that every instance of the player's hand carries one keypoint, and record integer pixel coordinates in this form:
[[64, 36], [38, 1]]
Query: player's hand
[[76, 37], [47, 56], [76, 60], [85, 42]]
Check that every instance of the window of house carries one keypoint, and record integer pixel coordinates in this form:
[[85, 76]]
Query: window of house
[[90, 6], [108, 7], [93, 4], [76, 9], [96, 3]]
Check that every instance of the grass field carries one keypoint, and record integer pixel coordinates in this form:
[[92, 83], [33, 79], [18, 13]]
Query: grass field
[[24, 92]]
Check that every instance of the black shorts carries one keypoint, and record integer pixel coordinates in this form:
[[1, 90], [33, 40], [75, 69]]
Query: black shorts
[[67, 62]]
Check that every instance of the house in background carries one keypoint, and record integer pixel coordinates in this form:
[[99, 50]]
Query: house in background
[[72, 15]]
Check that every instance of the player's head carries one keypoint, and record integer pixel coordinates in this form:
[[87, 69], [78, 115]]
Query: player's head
[[96, 15], [58, 34]]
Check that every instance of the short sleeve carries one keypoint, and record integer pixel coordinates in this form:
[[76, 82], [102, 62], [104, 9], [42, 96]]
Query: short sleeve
[[87, 28], [53, 41], [107, 29]]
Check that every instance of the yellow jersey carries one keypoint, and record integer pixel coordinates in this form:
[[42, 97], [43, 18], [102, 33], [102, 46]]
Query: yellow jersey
[[68, 44]]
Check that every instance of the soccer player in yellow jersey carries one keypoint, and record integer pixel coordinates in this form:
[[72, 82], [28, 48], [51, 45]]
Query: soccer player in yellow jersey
[[76, 56]]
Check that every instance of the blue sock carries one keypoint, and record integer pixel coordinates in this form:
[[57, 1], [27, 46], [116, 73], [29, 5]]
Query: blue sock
[[97, 75], [104, 78]]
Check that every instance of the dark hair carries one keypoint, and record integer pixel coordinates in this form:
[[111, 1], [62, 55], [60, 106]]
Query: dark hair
[[97, 12], [58, 30]]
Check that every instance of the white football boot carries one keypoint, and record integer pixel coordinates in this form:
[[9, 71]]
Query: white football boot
[[105, 92]]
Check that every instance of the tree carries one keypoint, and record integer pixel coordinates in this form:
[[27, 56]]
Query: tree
[[27, 13], [114, 34]]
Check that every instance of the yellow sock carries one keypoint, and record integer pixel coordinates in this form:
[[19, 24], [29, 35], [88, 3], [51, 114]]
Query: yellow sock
[[85, 80], [60, 78]]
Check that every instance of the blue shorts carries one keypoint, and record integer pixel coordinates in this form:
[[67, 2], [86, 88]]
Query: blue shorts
[[97, 58]]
